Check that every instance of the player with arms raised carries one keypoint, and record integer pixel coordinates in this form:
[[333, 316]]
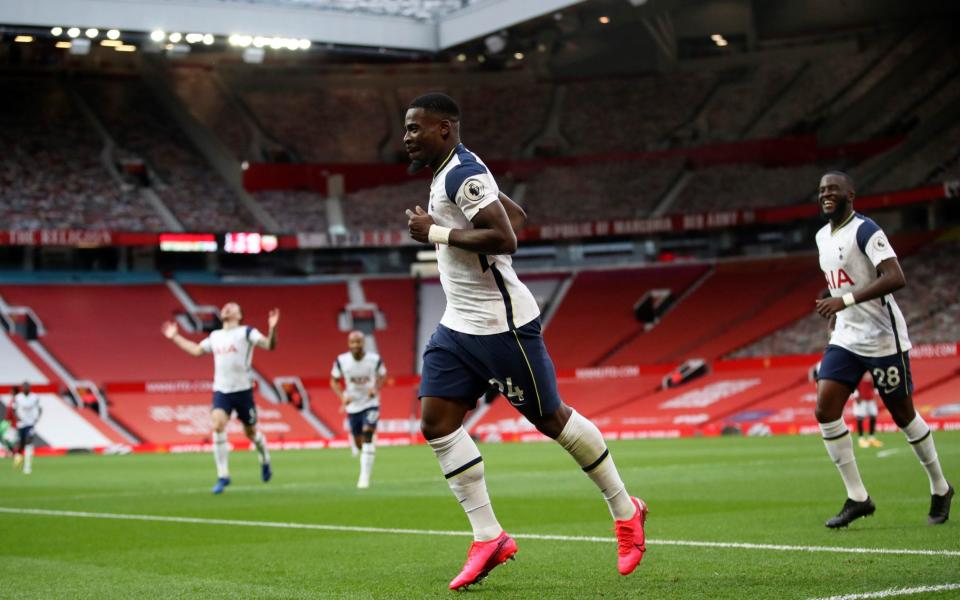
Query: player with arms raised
[[232, 348], [490, 335], [868, 334], [356, 378]]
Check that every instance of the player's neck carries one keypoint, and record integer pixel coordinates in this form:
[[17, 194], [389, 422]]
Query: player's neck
[[358, 356], [837, 223], [230, 324], [444, 157]]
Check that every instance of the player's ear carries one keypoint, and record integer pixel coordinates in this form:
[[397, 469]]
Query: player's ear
[[444, 125]]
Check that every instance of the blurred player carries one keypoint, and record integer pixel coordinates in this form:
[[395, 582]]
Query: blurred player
[[26, 407], [356, 378], [490, 335], [865, 406], [232, 349], [868, 334], [8, 425]]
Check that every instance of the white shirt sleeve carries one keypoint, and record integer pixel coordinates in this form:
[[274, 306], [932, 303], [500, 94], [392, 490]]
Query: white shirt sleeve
[[382, 369], [476, 192], [335, 371], [879, 248], [254, 335], [206, 345]]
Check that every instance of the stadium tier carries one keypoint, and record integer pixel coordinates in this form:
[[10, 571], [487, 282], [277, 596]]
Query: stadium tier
[[108, 333], [597, 312], [183, 418]]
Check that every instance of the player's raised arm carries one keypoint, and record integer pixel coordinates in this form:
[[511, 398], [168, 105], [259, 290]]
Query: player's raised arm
[[492, 233], [170, 332], [270, 342], [515, 213]]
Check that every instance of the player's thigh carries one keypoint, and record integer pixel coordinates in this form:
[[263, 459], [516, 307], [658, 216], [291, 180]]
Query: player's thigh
[[524, 373], [355, 423], [894, 382], [839, 373]]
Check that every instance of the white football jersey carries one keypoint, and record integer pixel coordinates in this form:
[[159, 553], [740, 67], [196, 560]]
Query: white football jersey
[[232, 351], [27, 409], [484, 295], [848, 258], [360, 378]]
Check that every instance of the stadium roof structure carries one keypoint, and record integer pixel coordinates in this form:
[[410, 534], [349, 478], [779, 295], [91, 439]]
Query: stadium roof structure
[[425, 25]]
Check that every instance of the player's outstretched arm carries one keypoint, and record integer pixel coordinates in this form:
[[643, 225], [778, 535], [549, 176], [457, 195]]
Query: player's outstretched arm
[[270, 342], [492, 233], [515, 213], [170, 332], [890, 280]]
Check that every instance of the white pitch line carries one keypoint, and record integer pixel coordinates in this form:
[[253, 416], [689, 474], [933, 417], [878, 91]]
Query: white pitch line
[[896, 592], [438, 532], [886, 453]]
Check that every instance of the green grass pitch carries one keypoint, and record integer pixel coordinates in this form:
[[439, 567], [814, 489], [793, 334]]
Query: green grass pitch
[[758, 490]]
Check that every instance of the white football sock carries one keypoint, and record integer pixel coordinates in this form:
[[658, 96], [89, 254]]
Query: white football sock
[[367, 455], [462, 465], [221, 453], [260, 442], [28, 458], [921, 440], [581, 438], [836, 437], [353, 448]]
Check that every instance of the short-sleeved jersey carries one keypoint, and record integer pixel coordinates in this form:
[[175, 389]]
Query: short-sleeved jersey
[[484, 294], [232, 351], [848, 258], [27, 409], [360, 378]]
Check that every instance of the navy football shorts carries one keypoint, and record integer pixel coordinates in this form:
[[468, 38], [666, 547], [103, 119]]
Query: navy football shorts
[[239, 402], [365, 419], [891, 374], [460, 366]]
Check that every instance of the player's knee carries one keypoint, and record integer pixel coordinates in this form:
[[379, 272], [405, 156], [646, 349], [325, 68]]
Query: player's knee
[[250, 431], [367, 435]]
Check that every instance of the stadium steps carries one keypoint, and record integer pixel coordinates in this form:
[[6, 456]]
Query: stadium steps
[[844, 125], [781, 94], [209, 146], [871, 173]]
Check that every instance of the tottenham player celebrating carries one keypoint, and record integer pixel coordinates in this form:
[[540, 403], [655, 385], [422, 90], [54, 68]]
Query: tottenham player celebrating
[[869, 334], [356, 378], [26, 407], [490, 335], [232, 349]]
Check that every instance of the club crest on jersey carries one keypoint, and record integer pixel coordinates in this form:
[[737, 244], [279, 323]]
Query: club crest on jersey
[[473, 189], [838, 278]]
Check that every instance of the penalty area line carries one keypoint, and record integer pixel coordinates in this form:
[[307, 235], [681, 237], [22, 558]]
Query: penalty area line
[[437, 532], [892, 592]]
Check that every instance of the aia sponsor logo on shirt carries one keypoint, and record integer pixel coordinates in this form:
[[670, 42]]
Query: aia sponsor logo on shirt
[[838, 278], [231, 349]]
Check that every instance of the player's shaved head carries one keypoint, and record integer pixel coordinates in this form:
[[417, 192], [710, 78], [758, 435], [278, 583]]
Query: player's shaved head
[[438, 104], [355, 342], [835, 196], [432, 125], [844, 176]]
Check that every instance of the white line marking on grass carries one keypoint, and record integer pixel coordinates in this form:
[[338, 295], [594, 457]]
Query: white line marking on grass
[[886, 453], [437, 532], [897, 592]]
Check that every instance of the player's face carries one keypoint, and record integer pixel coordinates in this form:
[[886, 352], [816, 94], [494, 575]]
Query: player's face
[[425, 135], [355, 344], [834, 196], [231, 312]]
